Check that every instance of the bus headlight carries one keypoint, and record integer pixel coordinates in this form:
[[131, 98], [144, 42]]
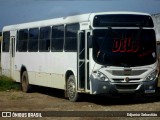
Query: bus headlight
[[101, 76], [152, 76]]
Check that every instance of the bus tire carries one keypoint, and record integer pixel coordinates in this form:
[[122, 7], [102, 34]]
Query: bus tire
[[25, 82], [72, 93]]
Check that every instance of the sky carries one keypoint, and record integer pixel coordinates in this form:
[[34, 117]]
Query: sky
[[21, 11]]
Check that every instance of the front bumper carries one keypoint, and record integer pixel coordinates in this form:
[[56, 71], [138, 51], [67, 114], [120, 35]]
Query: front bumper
[[103, 87]]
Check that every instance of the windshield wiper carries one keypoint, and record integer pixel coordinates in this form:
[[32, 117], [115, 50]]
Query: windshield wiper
[[112, 32], [134, 39], [137, 35]]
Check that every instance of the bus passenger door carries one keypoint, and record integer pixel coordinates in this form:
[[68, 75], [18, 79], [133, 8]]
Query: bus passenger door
[[83, 61], [12, 52]]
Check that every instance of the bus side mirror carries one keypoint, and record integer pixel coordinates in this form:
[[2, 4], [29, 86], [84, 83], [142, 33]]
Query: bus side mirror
[[89, 44]]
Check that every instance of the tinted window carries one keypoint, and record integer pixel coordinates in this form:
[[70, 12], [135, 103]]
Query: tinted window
[[33, 40], [22, 40], [124, 47], [57, 38], [44, 42], [122, 21], [71, 37], [6, 41]]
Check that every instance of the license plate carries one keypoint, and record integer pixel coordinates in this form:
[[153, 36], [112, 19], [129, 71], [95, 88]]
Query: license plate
[[149, 91]]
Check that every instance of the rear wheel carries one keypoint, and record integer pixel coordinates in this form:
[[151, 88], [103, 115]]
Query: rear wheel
[[72, 89], [25, 82]]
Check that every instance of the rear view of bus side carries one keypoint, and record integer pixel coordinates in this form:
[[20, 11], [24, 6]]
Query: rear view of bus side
[[95, 53]]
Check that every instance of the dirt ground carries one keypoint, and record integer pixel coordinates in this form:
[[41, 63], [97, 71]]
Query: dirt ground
[[47, 99]]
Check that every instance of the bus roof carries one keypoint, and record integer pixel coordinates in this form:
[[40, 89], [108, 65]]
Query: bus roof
[[63, 20]]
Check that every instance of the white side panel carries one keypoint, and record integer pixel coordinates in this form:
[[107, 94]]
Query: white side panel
[[47, 68], [17, 76], [58, 81], [5, 64]]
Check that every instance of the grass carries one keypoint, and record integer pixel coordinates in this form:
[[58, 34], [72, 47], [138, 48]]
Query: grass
[[7, 84]]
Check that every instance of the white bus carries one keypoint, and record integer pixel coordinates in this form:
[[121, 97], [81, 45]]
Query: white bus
[[96, 53]]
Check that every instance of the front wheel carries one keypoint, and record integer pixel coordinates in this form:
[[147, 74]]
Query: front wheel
[[72, 89]]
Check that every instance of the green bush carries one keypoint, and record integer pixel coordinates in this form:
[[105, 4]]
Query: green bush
[[7, 84]]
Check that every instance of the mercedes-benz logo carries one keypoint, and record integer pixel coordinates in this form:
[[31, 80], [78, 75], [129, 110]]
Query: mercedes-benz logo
[[126, 79]]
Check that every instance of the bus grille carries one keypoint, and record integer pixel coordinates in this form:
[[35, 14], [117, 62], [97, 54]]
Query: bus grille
[[122, 80], [125, 87], [122, 73]]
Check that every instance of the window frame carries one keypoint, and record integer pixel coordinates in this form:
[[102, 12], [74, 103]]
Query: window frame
[[37, 40], [53, 39], [40, 40], [66, 49], [4, 48], [18, 41]]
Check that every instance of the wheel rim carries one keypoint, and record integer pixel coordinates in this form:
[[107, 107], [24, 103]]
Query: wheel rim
[[71, 89]]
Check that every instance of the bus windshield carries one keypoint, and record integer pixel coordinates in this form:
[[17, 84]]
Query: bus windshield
[[124, 47]]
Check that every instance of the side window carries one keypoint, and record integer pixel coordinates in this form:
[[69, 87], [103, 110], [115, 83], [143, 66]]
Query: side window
[[33, 40], [71, 37], [23, 40], [57, 38], [6, 41], [44, 41]]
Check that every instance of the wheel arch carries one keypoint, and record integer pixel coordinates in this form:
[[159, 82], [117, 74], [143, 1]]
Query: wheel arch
[[23, 68], [70, 72]]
